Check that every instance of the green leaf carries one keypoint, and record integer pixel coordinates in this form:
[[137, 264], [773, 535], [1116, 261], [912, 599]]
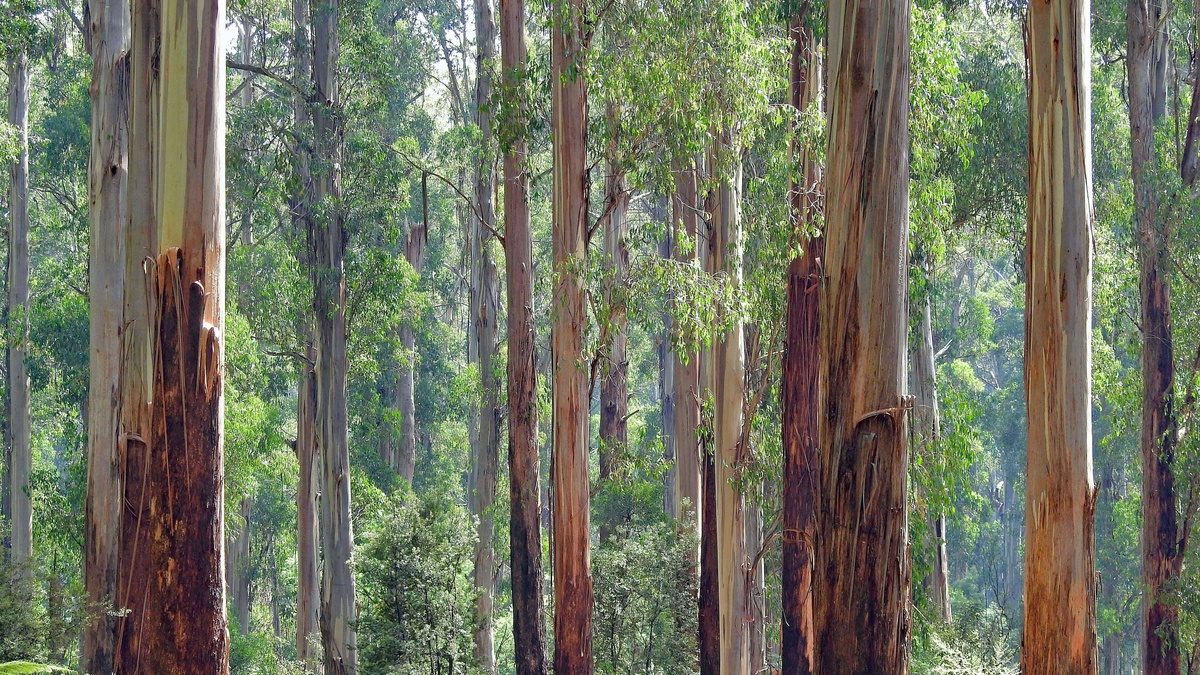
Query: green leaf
[[29, 668]]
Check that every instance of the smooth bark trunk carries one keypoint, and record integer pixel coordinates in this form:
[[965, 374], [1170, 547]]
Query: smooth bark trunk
[[686, 376], [485, 314], [414, 252], [239, 563], [308, 597], [173, 520], [17, 317], [327, 247], [109, 25], [863, 574], [573, 595], [729, 383], [927, 424], [614, 383], [1060, 599]]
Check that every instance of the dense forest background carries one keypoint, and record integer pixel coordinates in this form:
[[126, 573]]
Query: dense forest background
[[422, 200]]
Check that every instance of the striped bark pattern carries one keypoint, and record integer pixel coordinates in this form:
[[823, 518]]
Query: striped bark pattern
[[1060, 624]]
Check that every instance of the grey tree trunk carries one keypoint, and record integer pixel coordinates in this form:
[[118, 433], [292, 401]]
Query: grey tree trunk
[[107, 214], [17, 315], [485, 309], [1060, 593], [927, 425]]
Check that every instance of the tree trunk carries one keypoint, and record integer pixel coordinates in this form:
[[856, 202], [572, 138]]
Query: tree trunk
[[307, 582], [709, 606], [17, 316], [861, 601], [525, 535], [756, 588], [1161, 549], [729, 382], [666, 389], [572, 555], [327, 247], [108, 211], [172, 401], [1060, 623], [684, 208], [414, 252], [240, 563], [1189, 163], [485, 310], [928, 423], [800, 386], [614, 383]]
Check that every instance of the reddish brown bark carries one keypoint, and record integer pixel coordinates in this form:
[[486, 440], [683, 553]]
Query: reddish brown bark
[[801, 383], [862, 572], [172, 573], [525, 536], [1162, 553], [307, 596], [572, 556]]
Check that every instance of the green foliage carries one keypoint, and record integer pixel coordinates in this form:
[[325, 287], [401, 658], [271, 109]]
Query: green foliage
[[980, 642], [645, 601], [414, 563]]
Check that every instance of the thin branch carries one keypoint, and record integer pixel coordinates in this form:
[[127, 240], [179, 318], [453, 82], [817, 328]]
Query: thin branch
[[268, 73], [417, 164]]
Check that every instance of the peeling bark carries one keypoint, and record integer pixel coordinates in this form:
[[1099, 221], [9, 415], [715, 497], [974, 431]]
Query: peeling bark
[[573, 595], [109, 25], [1060, 622], [800, 385], [172, 566], [1162, 549], [862, 571], [525, 535]]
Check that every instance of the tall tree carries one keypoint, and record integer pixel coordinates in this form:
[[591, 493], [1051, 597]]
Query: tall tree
[[414, 252], [800, 386], [686, 378], [1162, 548], [862, 570], [614, 383], [173, 377], [1060, 620], [573, 596], [109, 41], [484, 310], [327, 251], [729, 375], [927, 424], [17, 314], [525, 533]]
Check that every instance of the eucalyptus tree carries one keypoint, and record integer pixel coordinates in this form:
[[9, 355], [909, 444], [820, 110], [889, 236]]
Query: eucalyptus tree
[[484, 300], [525, 534], [1162, 544], [1060, 620], [172, 575], [800, 384], [573, 594], [860, 605], [20, 452], [108, 173]]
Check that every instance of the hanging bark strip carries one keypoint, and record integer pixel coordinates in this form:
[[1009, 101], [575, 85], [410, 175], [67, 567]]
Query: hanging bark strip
[[1060, 621], [861, 591], [801, 379], [172, 573]]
